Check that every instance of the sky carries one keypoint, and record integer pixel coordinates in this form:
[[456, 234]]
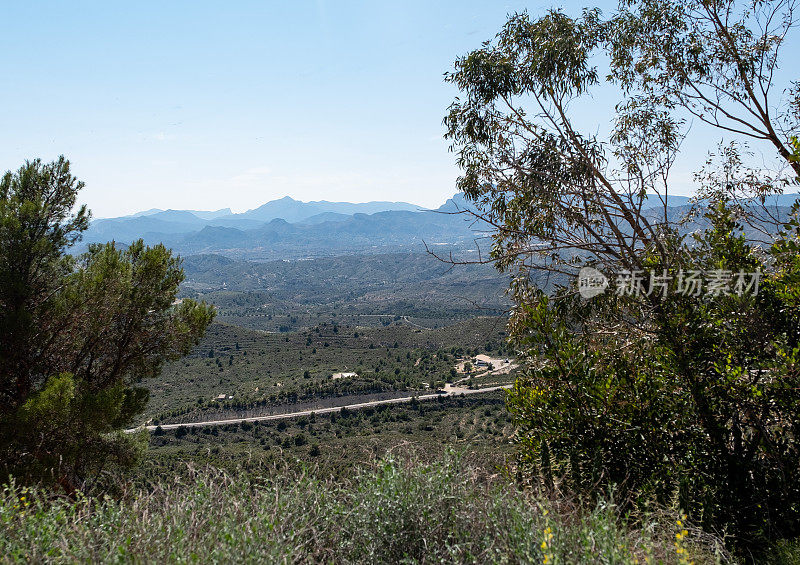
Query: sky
[[201, 105]]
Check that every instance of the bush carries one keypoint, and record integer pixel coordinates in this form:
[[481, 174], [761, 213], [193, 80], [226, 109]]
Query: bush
[[692, 398], [399, 511]]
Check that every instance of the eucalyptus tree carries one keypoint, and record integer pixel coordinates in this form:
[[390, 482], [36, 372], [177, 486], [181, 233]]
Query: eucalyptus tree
[[550, 189], [663, 393]]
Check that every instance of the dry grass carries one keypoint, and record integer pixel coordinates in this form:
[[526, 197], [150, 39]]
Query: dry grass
[[397, 510]]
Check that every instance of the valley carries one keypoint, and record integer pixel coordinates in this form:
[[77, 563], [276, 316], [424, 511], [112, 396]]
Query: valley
[[386, 336]]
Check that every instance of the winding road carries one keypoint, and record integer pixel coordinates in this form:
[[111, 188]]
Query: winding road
[[448, 391]]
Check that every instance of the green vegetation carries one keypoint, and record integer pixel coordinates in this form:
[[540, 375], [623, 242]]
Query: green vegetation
[[363, 290], [701, 408], [392, 511], [641, 418], [265, 370], [336, 443], [688, 396], [77, 334]]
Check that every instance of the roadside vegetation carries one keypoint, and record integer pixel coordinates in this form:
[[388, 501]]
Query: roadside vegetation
[[335, 443]]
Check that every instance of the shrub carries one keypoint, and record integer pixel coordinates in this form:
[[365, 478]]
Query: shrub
[[694, 398], [397, 512]]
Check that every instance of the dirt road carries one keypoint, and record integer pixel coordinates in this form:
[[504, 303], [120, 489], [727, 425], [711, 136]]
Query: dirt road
[[449, 391]]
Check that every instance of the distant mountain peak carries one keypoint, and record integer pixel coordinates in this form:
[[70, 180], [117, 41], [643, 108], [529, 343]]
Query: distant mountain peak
[[294, 211]]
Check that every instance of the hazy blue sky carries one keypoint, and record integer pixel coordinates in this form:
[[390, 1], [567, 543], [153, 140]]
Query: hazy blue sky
[[230, 104]]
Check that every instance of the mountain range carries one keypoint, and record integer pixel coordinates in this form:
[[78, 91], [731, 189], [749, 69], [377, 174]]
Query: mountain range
[[291, 229], [167, 222]]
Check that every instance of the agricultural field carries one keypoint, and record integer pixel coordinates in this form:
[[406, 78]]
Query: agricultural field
[[235, 369], [477, 427], [372, 290], [264, 356]]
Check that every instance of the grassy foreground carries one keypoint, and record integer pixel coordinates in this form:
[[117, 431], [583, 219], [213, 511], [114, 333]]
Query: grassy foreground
[[395, 511]]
